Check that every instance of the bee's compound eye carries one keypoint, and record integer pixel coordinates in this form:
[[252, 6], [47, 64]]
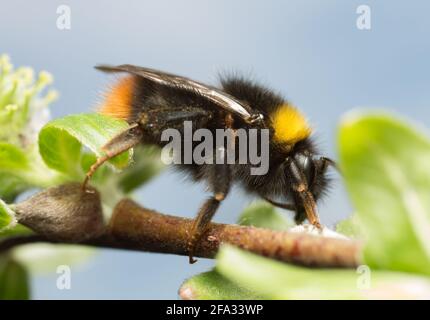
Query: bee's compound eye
[[306, 163]]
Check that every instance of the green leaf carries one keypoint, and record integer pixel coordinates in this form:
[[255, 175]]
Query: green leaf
[[11, 186], [264, 215], [15, 230], [386, 166], [14, 280], [147, 164], [7, 216], [61, 140], [101, 174], [20, 170], [212, 286], [272, 279], [44, 258], [349, 227], [12, 158], [15, 171]]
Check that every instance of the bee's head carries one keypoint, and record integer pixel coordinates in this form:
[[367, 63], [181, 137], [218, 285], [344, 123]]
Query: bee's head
[[303, 168]]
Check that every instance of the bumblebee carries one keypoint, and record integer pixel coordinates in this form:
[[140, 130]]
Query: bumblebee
[[152, 101]]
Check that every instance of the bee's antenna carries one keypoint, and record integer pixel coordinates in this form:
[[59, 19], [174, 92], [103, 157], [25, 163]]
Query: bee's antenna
[[286, 206], [329, 162]]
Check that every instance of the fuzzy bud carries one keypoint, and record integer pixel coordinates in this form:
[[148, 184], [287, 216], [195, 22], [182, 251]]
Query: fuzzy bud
[[64, 213]]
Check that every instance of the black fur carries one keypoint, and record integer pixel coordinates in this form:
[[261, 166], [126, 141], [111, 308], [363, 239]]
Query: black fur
[[162, 101]]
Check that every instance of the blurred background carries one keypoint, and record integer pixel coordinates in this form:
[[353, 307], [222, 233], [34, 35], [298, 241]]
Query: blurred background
[[310, 51]]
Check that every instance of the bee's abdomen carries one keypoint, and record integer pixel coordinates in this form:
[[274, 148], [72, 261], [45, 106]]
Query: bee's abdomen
[[118, 98]]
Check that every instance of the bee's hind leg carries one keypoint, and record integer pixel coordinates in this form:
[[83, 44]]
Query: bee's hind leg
[[124, 141], [219, 178]]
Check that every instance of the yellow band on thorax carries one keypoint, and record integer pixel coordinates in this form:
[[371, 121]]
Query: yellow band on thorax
[[289, 124]]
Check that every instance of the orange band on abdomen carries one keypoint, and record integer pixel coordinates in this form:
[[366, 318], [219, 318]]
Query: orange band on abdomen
[[118, 100]]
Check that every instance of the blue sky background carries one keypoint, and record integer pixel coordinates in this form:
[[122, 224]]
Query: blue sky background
[[310, 50]]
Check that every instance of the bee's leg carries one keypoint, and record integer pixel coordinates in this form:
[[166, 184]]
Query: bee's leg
[[302, 195], [306, 206], [310, 209], [219, 179], [133, 135], [124, 141]]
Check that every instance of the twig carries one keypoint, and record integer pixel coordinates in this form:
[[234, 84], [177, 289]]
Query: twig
[[136, 228]]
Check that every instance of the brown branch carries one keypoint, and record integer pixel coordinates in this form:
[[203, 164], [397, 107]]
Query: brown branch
[[67, 215], [134, 227], [13, 241]]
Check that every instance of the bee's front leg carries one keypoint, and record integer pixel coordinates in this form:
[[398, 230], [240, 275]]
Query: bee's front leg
[[124, 141]]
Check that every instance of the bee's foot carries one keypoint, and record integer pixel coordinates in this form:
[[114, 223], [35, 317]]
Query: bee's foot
[[84, 186], [191, 259], [191, 246], [318, 226]]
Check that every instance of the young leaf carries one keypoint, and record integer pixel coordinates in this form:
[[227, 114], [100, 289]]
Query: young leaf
[[15, 169], [60, 141], [272, 279], [7, 216], [102, 173], [15, 230], [21, 169], [14, 280], [264, 215], [386, 166], [147, 164], [12, 158], [44, 258], [11, 186], [349, 227], [212, 286]]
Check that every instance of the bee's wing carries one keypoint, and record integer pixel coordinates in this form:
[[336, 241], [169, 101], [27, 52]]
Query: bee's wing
[[213, 94]]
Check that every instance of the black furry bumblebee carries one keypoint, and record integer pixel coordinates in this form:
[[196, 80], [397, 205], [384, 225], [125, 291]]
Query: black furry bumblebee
[[152, 101]]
